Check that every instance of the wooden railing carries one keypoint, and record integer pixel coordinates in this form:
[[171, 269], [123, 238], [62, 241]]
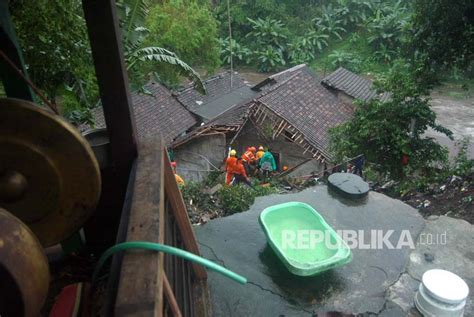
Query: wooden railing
[[154, 284]]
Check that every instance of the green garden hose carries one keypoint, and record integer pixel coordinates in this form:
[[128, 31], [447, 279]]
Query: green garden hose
[[144, 245]]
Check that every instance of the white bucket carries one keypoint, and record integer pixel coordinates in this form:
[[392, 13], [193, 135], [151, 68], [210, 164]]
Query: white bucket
[[441, 294]]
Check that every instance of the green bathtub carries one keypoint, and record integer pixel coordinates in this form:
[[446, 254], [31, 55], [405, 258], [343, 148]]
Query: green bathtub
[[302, 239]]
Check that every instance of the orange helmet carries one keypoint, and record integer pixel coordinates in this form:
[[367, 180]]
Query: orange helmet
[[285, 168], [253, 149]]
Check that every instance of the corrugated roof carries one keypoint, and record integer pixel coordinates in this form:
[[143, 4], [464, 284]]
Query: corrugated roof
[[353, 85], [220, 96], [155, 114]]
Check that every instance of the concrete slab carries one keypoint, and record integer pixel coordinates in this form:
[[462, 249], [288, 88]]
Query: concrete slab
[[445, 243], [359, 287]]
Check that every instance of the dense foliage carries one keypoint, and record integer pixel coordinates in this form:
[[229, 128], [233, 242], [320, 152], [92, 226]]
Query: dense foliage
[[277, 33], [54, 41], [230, 199], [363, 36], [386, 131], [443, 35], [142, 55], [187, 28], [53, 37], [239, 198]]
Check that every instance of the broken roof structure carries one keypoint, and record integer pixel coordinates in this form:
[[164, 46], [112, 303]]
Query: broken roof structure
[[304, 110], [353, 85], [155, 114], [223, 92], [292, 103]]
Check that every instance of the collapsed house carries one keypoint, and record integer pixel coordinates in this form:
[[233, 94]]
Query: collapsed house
[[224, 91], [291, 112]]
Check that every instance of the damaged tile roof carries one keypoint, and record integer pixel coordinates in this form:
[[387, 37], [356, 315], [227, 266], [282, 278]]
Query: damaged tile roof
[[309, 107], [219, 98], [279, 77], [155, 114], [231, 120], [297, 97], [352, 84]]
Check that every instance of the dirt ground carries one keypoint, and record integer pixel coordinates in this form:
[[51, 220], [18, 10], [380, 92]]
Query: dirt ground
[[454, 198]]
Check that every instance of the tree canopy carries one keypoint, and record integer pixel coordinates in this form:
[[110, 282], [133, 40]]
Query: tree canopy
[[189, 29], [53, 37], [443, 34], [386, 131]]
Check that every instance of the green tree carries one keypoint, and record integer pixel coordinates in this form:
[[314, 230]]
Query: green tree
[[240, 54], [53, 37], [330, 25], [443, 35], [187, 28], [269, 43], [142, 60], [385, 131]]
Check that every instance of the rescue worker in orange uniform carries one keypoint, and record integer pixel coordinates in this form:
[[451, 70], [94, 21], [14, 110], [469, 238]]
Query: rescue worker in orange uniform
[[240, 176], [178, 178], [229, 166], [249, 159]]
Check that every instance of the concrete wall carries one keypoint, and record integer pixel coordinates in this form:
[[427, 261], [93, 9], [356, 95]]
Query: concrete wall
[[191, 157], [290, 153]]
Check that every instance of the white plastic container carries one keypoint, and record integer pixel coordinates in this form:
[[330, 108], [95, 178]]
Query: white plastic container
[[441, 294]]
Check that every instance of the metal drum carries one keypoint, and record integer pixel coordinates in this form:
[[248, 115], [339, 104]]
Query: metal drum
[[49, 176], [24, 272]]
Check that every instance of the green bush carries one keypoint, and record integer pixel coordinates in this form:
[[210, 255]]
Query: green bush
[[463, 166], [192, 191], [236, 198], [214, 178], [187, 28], [239, 198]]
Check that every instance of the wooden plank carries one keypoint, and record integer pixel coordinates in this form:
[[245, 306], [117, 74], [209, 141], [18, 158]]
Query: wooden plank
[[161, 235], [138, 294], [262, 120], [238, 132], [256, 112], [264, 113], [306, 149], [181, 215], [278, 126], [112, 78], [291, 169], [170, 298], [281, 130]]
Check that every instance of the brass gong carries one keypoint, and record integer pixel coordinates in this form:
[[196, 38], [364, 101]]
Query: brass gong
[[49, 176], [24, 270]]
